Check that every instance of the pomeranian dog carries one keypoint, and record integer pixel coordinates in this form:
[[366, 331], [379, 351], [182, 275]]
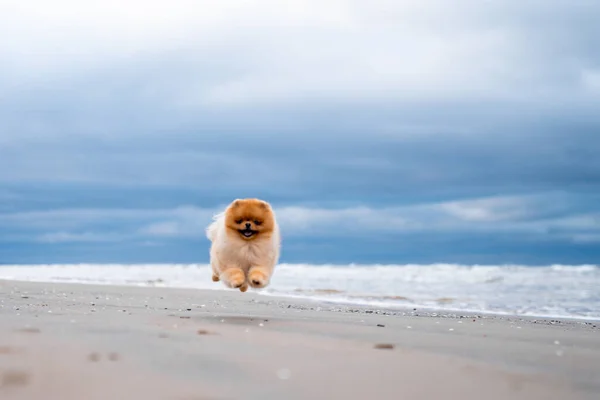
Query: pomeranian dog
[[245, 244]]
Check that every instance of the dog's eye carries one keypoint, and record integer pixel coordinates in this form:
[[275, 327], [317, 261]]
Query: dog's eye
[[238, 221], [257, 222]]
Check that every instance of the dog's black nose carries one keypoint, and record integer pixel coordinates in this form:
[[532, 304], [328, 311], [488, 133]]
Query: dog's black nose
[[248, 225]]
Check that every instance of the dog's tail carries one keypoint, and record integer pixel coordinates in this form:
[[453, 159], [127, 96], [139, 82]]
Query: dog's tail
[[213, 228]]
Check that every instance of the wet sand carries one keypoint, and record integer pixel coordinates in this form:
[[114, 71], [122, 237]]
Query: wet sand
[[69, 341]]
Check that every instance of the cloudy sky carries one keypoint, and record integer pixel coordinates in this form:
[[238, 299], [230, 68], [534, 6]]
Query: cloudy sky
[[389, 131]]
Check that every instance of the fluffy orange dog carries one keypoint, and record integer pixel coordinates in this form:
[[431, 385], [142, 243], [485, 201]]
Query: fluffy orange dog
[[245, 244]]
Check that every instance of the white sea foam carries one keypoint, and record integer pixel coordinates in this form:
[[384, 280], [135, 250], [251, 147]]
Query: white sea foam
[[554, 291]]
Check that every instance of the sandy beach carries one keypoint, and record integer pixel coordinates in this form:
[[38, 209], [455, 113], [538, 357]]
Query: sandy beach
[[71, 341]]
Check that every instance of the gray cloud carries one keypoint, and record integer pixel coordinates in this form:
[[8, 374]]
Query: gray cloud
[[550, 213], [350, 110], [192, 58]]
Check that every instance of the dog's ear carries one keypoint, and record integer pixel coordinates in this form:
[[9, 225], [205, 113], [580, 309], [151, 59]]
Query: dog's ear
[[236, 203], [262, 204]]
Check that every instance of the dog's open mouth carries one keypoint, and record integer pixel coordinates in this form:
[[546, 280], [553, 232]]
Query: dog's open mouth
[[247, 233]]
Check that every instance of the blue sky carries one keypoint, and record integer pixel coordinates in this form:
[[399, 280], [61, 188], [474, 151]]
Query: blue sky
[[462, 131]]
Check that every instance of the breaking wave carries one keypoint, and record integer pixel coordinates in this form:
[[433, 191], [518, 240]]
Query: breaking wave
[[550, 291]]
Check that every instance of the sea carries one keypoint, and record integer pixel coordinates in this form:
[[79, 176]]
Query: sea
[[560, 291]]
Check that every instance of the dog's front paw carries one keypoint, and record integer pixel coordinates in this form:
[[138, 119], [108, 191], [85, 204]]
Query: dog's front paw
[[258, 277], [234, 277]]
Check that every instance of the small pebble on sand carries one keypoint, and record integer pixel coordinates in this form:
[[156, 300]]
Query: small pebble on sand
[[384, 346], [14, 378], [29, 330], [9, 350]]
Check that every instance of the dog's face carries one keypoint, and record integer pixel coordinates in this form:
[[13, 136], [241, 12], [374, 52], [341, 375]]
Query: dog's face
[[249, 219]]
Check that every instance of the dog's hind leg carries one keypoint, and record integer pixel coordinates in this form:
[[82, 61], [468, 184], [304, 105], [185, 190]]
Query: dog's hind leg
[[215, 271]]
